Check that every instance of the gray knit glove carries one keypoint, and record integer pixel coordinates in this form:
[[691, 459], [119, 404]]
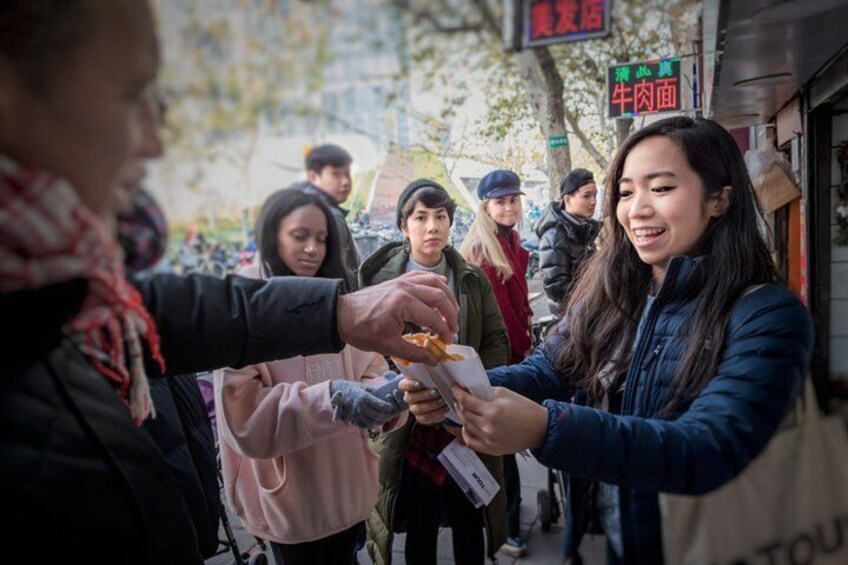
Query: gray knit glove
[[353, 403], [390, 392]]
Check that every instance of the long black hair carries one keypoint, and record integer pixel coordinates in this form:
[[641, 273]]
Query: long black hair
[[276, 207], [604, 309]]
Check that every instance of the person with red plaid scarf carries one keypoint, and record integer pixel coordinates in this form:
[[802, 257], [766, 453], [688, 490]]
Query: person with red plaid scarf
[[79, 479]]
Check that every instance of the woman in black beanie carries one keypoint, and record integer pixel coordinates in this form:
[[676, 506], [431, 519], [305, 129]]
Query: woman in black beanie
[[415, 490]]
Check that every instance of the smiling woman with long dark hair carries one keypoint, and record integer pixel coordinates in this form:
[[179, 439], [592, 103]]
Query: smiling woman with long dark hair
[[678, 355]]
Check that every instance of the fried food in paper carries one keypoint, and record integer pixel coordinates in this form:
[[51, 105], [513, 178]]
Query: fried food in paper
[[433, 344]]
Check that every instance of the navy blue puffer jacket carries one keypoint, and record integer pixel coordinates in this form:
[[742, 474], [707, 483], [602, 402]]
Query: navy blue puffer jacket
[[764, 357]]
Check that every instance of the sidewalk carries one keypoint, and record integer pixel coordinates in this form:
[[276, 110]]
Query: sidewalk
[[543, 548]]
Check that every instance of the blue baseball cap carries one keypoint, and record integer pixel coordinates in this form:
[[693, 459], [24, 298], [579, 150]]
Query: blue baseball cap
[[499, 183]]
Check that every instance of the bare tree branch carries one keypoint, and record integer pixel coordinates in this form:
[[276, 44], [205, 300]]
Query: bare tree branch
[[489, 19], [430, 18], [587, 143]]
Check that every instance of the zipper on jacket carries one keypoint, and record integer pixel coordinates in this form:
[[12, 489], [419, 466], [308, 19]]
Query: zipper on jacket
[[645, 339], [653, 355], [636, 362], [651, 375]]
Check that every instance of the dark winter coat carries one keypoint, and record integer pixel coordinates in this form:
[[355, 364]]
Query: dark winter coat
[[512, 295], [79, 480], [564, 243], [481, 327], [764, 357], [183, 433]]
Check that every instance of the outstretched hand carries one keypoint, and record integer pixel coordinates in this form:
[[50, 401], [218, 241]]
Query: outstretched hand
[[372, 319], [354, 404], [509, 423]]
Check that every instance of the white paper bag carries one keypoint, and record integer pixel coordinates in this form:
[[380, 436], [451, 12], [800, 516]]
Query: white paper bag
[[467, 373]]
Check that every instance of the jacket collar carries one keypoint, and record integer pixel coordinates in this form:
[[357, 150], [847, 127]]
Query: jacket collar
[[555, 215], [682, 276], [34, 320], [390, 261], [328, 200], [508, 236]]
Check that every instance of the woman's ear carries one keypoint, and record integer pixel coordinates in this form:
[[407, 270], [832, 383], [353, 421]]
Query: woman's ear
[[719, 204]]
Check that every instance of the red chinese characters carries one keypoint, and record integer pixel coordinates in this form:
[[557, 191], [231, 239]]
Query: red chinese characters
[[667, 94], [565, 20], [644, 87], [592, 15], [567, 11], [541, 20], [622, 97], [643, 97]]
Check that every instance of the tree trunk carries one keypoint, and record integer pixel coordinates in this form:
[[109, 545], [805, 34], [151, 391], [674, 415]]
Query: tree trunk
[[545, 91], [623, 127]]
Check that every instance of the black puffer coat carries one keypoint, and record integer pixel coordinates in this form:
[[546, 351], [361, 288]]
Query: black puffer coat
[[564, 243], [79, 481], [183, 433]]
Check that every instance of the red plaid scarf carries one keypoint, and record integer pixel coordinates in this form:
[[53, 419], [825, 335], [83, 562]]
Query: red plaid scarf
[[48, 236]]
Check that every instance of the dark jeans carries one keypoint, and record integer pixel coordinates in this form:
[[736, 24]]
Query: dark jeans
[[337, 549], [424, 505], [512, 481]]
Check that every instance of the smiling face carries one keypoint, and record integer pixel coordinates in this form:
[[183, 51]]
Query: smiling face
[[505, 210], [427, 230], [662, 203], [302, 240]]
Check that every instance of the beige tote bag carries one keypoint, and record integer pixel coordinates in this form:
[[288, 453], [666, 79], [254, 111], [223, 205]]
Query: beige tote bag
[[790, 505]]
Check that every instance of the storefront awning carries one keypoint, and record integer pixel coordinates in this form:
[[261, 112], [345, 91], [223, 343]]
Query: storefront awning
[[759, 53]]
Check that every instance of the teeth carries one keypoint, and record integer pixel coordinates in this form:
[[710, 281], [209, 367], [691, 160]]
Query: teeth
[[645, 232]]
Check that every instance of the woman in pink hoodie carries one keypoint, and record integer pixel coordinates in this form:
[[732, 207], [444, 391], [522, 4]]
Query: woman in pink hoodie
[[297, 467]]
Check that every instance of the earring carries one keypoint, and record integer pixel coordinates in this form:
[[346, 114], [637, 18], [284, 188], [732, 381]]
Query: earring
[[407, 247]]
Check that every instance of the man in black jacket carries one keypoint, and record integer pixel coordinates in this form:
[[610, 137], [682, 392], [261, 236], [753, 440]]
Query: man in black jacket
[[79, 479], [567, 236], [328, 177]]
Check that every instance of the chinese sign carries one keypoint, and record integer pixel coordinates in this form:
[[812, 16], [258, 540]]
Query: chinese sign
[[646, 87], [557, 21]]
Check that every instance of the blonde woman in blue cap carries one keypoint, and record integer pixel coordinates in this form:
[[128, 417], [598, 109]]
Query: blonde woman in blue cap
[[494, 245], [416, 492]]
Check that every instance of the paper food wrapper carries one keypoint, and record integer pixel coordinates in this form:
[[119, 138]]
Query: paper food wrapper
[[467, 373]]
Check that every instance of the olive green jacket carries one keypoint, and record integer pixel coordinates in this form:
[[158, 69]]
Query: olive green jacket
[[481, 327]]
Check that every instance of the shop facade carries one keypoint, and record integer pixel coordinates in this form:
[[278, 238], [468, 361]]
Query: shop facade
[[776, 74]]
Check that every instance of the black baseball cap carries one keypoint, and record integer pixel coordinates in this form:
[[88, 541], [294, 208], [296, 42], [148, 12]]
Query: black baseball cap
[[574, 180]]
